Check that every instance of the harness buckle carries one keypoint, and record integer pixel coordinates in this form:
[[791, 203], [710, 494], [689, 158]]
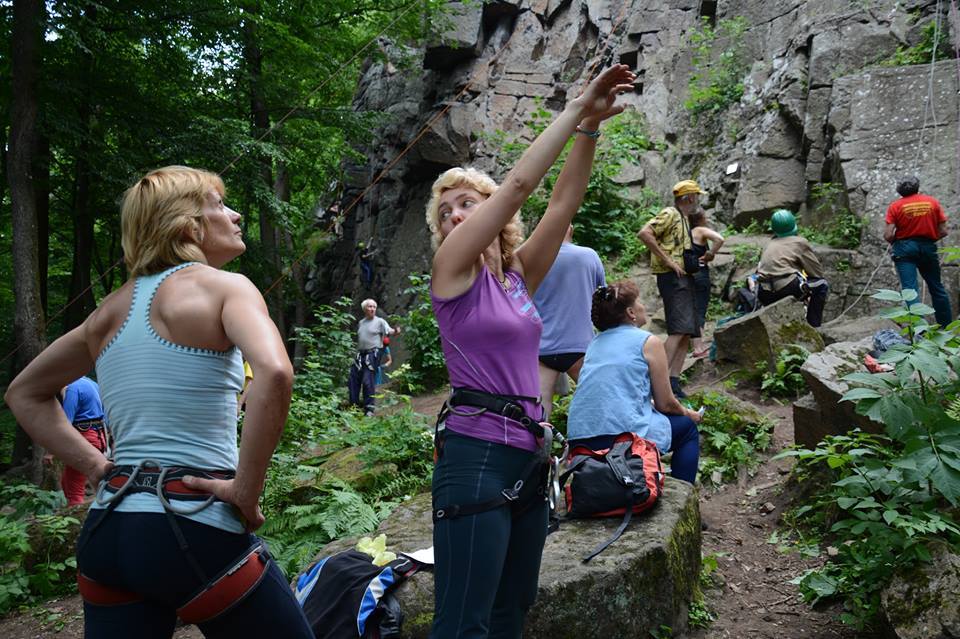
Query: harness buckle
[[512, 494], [516, 413]]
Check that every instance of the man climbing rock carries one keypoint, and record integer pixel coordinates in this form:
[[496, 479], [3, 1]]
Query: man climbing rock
[[790, 268], [915, 223]]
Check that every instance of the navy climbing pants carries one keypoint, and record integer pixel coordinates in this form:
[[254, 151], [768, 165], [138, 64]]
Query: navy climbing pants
[[138, 552], [488, 564], [363, 379], [917, 254]]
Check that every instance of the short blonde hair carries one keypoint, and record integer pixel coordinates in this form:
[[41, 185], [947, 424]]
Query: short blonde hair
[[161, 218], [512, 234]]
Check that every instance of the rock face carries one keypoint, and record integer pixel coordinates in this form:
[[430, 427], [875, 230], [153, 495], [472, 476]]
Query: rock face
[[923, 603], [644, 580], [817, 107], [821, 413], [761, 335]]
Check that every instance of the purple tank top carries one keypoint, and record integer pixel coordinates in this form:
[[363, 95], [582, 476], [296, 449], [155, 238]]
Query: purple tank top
[[491, 338]]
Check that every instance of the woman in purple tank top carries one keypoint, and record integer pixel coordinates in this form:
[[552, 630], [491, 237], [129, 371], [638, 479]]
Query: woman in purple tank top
[[487, 540]]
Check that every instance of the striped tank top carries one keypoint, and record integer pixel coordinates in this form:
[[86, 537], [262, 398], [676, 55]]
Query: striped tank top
[[173, 404]]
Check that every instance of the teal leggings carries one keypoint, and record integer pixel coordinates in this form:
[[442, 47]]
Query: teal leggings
[[488, 564]]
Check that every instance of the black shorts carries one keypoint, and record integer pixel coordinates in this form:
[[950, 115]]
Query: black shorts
[[561, 362], [679, 303]]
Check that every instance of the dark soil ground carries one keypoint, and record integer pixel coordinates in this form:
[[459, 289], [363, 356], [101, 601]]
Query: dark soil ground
[[752, 597]]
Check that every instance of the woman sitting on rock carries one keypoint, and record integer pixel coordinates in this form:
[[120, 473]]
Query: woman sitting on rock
[[625, 385], [170, 532], [487, 547]]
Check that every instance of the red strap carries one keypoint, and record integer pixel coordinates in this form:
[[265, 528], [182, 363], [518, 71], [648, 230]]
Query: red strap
[[226, 591], [96, 594]]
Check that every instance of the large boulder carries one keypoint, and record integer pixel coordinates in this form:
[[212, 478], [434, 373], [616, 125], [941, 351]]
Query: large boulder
[[822, 413], [461, 39], [922, 603], [849, 330], [643, 581], [761, 335]]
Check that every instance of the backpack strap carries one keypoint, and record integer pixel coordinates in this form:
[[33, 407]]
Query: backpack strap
[[616, 459]]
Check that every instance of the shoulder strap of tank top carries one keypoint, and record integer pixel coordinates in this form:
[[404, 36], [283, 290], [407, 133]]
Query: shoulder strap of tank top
[[144, 291]]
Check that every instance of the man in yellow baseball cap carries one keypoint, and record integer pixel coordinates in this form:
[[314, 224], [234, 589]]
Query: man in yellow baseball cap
[[668, 237]]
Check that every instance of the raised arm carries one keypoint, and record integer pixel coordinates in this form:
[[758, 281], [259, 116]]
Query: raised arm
[[32, 398], [456, 257], [247, 324]]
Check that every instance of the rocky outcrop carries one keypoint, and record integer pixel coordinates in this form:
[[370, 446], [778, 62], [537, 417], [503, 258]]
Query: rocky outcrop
[[643, 581], [761, 335], [821, 413], [817, 107], [923, 603]]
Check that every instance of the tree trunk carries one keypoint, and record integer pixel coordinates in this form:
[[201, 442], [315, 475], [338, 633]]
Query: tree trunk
[[260, 120], [28, 322], [41, 181], [80, 299], [281, 189]]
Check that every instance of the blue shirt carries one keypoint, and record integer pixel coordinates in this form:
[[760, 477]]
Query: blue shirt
[[614, 394], [565, 297], [81, 400]]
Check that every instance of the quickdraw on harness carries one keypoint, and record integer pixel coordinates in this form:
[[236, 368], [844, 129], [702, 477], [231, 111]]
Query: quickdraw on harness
[[767, 283], [543, 464], [369, 359], [219, 593]]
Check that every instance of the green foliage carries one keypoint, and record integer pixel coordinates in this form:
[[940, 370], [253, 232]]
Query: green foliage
[[26, 506], [923, 51], [785, 380], [717, 80], [709, 568], [730, 439], [317, 426], [755, 227], [838, 226], [427, 369], [746, 255], [699, 615], [609, 218], [891, 493]]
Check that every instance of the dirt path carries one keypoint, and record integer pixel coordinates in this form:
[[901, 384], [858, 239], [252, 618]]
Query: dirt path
[[753, 598]]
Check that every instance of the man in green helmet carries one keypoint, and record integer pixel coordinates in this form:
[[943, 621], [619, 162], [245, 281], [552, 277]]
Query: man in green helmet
[[789, 268]]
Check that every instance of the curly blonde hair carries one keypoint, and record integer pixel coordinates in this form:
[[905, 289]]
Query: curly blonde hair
[[511, 236], [161, 220]]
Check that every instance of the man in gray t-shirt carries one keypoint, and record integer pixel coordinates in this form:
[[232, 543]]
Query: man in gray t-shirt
[[363, 372]]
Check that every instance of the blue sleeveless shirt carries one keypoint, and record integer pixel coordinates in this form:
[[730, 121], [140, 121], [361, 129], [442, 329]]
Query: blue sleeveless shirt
[[614, 394], [173, 404]]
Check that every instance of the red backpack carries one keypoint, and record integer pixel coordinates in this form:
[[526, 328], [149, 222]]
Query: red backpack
[[624, 479]]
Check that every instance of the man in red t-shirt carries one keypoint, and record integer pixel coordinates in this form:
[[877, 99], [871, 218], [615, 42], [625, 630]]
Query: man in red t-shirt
[[914, 224]]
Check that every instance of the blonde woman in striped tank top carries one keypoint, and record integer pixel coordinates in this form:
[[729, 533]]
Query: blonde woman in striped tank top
[[166, 346]]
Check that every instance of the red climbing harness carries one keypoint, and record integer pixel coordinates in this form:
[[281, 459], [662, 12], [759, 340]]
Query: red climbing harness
[[219, 594]]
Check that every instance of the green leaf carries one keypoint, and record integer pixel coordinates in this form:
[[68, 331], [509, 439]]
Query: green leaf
[[946, 480], [887, 295], [860, 393], [890, 516], [847, 502], [921, 309]]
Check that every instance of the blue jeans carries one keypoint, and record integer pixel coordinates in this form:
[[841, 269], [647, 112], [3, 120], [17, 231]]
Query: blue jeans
[[917, 254], [487, 565], [138, 552]]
